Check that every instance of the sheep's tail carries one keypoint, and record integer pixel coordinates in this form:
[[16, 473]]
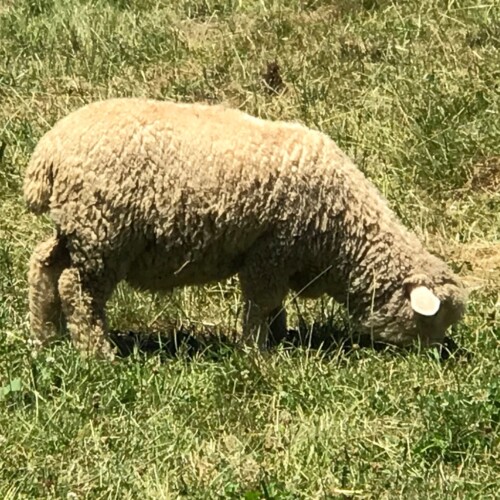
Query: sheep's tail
[[38, 180]]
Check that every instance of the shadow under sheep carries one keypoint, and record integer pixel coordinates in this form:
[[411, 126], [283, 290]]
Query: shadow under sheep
[[191, 342]]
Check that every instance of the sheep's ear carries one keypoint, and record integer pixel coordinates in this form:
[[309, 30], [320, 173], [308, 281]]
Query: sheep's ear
[[423, 301]]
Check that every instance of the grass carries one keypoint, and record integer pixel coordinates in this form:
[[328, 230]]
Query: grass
[[411, 91]]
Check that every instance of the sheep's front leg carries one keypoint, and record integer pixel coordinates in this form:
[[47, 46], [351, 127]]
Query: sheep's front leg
[[47, 262], [83, 302], [264, 289], [261, 319], [277, 325]]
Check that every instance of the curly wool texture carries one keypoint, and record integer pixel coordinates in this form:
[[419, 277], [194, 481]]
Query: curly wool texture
[[165, 195]]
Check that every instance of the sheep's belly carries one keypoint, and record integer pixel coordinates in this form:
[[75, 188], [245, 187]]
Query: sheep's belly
[[163, 271]]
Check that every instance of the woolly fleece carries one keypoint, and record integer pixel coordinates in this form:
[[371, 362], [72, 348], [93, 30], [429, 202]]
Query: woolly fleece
[[164, 195]]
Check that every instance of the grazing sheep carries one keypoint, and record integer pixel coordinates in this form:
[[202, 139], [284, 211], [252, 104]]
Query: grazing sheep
[[164, 195]]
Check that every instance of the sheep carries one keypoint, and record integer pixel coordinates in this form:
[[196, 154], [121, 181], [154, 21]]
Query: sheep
[[165, 194]]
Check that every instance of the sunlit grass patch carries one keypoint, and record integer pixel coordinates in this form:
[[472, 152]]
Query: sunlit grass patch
[[410, 91]]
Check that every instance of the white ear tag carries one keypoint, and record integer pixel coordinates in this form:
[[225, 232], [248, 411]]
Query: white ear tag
[[423, 301]]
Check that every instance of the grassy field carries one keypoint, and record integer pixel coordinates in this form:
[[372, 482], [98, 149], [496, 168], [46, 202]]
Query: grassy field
[[411, 90]]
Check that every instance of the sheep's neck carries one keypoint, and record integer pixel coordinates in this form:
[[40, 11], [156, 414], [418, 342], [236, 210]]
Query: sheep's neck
[[371, 251]]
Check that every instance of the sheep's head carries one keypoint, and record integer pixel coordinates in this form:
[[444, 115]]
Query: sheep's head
[[421, 310], [436, 306]]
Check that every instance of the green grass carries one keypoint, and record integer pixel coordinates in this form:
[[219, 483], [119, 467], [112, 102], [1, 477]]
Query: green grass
[[411, 90]]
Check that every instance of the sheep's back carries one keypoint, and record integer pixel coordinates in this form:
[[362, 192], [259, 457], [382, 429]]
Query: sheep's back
[[177, 170]]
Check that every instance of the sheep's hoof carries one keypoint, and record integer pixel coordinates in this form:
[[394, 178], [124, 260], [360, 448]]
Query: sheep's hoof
[[103, 351]]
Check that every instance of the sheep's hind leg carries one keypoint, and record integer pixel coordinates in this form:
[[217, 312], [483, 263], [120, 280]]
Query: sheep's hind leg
[[47, 262], [83, 300]]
